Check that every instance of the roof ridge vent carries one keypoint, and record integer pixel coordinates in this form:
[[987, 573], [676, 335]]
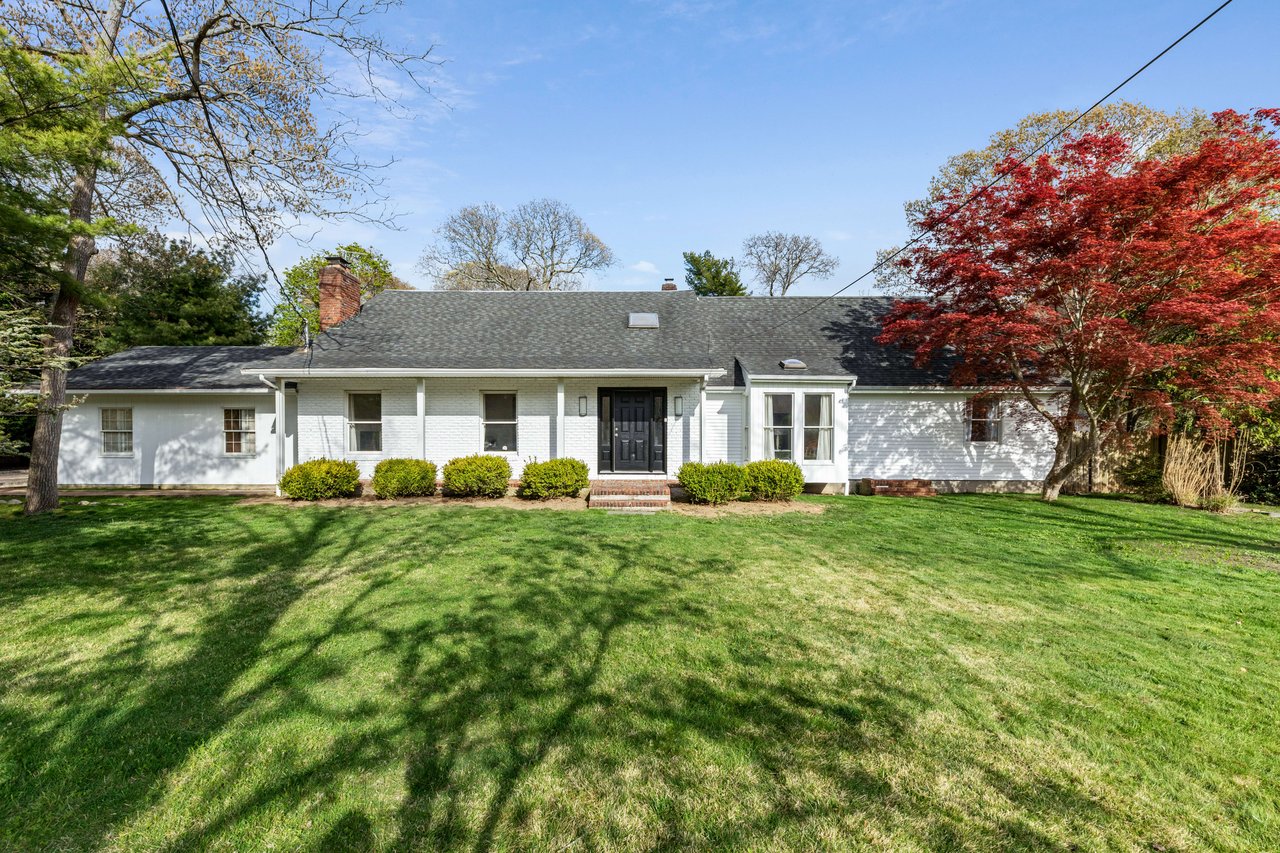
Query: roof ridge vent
[[642, 320]]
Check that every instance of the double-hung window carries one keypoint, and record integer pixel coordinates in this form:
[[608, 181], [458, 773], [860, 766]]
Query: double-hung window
[[117, 431], [239, 438], [779, 429], [984, 419], [364, 417], [500, 422], [819, 429]]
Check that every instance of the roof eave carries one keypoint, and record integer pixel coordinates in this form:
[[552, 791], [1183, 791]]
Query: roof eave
[[460, 372]]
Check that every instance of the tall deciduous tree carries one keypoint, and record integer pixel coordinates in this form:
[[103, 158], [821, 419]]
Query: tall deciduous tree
[[780, 260], [541, 245], [1150, 134], [1127, 283], [206, 112], [163, 292], [299, 308], [708, 275]]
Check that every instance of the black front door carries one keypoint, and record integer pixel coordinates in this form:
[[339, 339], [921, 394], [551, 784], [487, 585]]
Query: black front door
[[632, 426]]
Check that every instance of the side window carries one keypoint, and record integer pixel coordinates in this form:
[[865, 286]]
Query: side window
[[239, 435], [984, 419], [819, 429], [117, 431], [500, 422], [778, 426], [365, 419]]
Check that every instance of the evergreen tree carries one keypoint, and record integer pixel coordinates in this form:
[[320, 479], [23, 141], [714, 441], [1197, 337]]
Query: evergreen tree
[[708, 275]]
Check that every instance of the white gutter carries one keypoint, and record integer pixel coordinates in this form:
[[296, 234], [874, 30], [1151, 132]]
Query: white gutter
[[265, 381], [359, 372], [163, 391]]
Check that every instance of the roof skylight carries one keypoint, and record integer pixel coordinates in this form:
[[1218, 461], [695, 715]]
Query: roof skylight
[[642, 320], [792, 364]]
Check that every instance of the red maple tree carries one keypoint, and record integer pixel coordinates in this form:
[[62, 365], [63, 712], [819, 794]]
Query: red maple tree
[[1093, 287]]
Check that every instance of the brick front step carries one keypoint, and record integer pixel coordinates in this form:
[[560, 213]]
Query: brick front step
[[899, 488], [629, 495]]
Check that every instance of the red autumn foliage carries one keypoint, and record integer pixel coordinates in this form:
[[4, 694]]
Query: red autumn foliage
[[1128, 287]]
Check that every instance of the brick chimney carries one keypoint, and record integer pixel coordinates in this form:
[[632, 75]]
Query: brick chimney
[[339, 293], [668, 284]]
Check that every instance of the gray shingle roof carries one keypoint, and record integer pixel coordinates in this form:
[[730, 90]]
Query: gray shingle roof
[[553, 331], [835, 338], [536, 331], [196, 368]]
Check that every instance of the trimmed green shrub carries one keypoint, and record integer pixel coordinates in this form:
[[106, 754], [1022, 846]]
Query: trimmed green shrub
[[404, 478], [319, 479], [478, 476], [716, 483], [555, 478], [773, 480]]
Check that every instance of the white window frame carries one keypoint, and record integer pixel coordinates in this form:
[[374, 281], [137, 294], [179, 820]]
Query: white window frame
[[829, 428], [994, 420], [103, 431], [248, 431], [484, 421], [352, 423], [769, 429]]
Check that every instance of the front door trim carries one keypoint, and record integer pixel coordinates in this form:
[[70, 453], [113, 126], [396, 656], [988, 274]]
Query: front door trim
[[657, 441]]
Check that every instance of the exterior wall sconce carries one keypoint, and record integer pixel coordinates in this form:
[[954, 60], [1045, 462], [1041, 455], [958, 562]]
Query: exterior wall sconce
[[677, 406], [582, 407]]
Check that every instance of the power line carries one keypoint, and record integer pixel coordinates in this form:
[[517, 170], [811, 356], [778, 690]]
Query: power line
[[1003, 174]]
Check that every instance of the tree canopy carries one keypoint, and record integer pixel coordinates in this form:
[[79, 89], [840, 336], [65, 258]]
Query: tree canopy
[[299, 304], [202, 111], [540, 245], [707, 275], [1129, 283], [163, 292], [780, 260]]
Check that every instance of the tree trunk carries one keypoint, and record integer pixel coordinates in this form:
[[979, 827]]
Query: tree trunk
[[1067, 458], [42, 479]]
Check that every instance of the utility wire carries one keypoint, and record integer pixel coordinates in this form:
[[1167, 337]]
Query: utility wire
[[1003, 174]]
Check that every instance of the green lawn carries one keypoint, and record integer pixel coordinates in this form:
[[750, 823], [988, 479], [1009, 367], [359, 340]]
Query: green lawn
[[957, 673]]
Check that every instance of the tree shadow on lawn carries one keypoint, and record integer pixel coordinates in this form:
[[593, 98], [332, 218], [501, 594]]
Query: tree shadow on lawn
[[571, 695], [125, 723]]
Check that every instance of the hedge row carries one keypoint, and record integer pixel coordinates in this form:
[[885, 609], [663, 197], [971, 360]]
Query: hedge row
[[482, 475], [721, 482]]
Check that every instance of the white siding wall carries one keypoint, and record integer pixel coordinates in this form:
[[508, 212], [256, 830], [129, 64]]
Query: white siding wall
[[725, 426], [177, 441], [900, 436]]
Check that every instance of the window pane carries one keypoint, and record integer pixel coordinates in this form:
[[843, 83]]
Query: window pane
[[782, 444], [366, 438], [233, 443], [117, 419], [818, 443], [817, 410], [499, 407], [117, 442], [780, 409], [499, 436], [366, 407]]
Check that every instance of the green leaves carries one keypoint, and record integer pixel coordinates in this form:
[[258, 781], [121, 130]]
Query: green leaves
[[708, 275], [300, 290]]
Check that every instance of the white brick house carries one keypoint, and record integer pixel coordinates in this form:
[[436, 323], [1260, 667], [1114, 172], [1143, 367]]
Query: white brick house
[[634, 384]]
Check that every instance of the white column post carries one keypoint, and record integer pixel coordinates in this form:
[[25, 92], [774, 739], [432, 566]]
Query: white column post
[[281, 421], [422, 417], [702, 420], [560, 443]]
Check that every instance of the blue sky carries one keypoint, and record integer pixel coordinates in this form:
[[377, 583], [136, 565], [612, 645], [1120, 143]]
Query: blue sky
[[689, 125]]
